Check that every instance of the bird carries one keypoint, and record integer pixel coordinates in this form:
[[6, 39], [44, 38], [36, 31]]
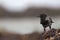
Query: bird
[[45, 20]]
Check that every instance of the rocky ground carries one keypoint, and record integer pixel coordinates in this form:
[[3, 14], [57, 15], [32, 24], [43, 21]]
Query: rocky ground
[[53, 34]]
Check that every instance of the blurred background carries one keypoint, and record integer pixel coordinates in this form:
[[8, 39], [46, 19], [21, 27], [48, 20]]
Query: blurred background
[[20, 16]]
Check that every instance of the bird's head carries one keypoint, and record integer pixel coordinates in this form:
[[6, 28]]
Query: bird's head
[[43, 16]]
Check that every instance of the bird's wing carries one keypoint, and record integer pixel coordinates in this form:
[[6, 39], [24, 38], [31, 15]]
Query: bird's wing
[[49, 19]]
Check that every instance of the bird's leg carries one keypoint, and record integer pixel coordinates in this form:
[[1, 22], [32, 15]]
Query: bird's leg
[[50, 26], [44, 29]]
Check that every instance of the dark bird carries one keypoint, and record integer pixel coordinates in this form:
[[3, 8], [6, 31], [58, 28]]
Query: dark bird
[[46, 21]]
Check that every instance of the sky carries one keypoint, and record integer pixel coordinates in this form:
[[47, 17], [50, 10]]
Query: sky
[[22, 5]]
